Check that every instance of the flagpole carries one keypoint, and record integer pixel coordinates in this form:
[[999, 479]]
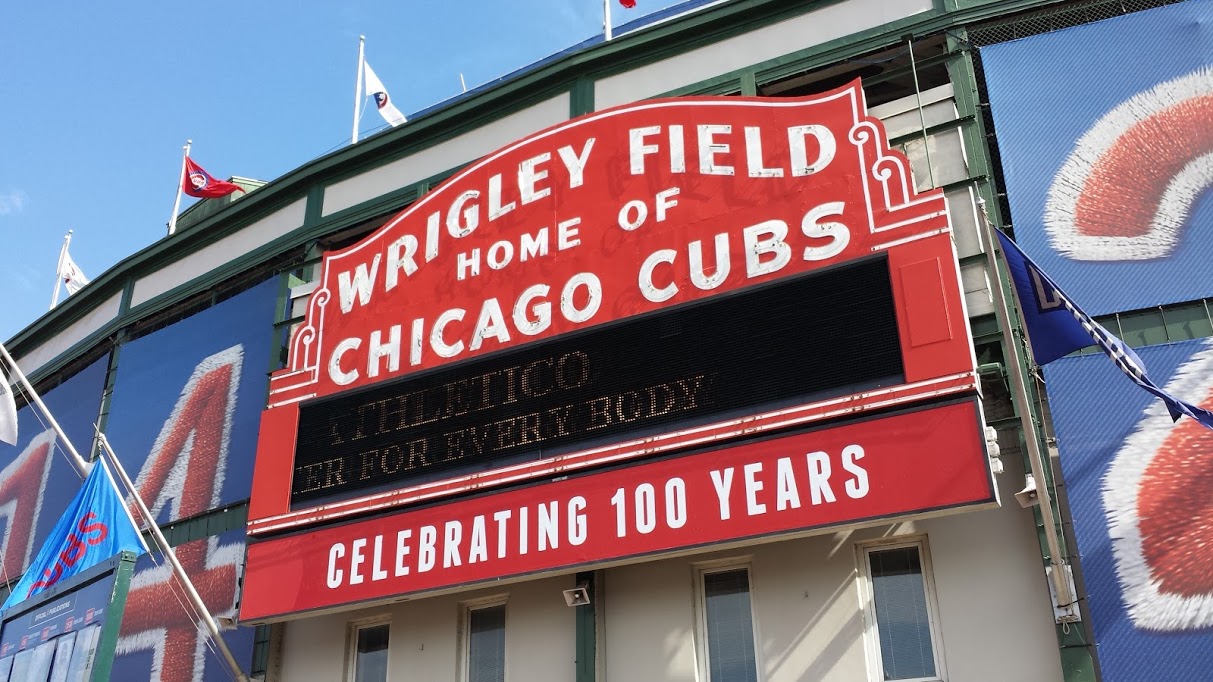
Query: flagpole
[[172, 221], [67, 238], [82, 467], [463, 82], [358, 86], [1036, 461], [169, 554], [606, 19]]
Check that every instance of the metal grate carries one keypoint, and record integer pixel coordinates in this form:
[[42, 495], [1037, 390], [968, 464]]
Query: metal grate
[[1055, 18]]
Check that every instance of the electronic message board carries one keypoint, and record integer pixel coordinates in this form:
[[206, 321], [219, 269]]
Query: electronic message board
[[781, 237], [676, 367]]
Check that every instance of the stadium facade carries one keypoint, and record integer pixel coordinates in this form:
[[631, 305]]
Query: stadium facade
[[672, 357]]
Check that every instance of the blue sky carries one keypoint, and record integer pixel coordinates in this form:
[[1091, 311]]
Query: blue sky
[[96, 100]]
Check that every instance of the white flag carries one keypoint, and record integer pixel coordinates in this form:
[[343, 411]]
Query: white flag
[[8, 412], [73, 277], [374, 88]]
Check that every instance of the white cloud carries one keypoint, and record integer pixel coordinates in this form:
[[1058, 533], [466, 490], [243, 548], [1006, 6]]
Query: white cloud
[[11, 201]]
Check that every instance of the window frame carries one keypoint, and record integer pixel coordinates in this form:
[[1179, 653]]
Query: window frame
[[351, 643], [871, 634], [702, 655], [464, 672]]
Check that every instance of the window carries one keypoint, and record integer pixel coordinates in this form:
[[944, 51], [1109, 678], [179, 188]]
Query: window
[[726, 625], [899, 608], [485, 641], [369, 647]]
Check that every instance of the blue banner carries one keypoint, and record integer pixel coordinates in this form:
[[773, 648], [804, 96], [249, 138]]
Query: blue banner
[[187, 405], [160, 640], [1104, 144], [37, 481], [1140, 488], [95, 527]]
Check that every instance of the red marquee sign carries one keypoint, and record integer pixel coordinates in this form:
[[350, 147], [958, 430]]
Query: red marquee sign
[[606, 217], [930, 459]]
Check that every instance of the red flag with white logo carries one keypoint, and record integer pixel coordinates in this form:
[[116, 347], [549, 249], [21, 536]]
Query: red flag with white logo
[[196, 182]]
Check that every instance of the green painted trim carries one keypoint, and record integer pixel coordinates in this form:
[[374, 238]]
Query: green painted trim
[[57, 363], [107, 643], [384, 206], [727, 84], [985, 328], [391, 202], [312, 258], [206, 525], [262, 643], [277, 341], [964, 92], [314, 211], [1077, 664], [749, 83], [277, 248], [959, 122], [124, 304], [581, 97], [586, 638], [111, 379]]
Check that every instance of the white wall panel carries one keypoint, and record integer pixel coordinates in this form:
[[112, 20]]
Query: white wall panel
[[947, 164], [995, 623], [445, 155], [976, 284], [833, 21], [208, 258], [900, 117], [423, 642], [76, 332], [966, 231]]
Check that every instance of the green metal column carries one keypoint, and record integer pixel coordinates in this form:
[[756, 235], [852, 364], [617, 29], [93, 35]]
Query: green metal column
[[585, 618], [108, 640], [581, 97]]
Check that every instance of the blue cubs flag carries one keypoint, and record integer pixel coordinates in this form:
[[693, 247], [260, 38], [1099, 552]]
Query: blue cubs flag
[[95, 527], [1057, 327]]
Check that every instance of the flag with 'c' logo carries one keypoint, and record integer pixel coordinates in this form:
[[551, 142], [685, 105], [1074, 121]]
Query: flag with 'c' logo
[[383, 101], [198, 183]]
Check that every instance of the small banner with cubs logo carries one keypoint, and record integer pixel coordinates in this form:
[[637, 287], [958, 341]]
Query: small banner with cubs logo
[[95, 527]]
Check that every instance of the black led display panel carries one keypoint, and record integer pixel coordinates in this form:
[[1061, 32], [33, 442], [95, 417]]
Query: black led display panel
[[816, 335]]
